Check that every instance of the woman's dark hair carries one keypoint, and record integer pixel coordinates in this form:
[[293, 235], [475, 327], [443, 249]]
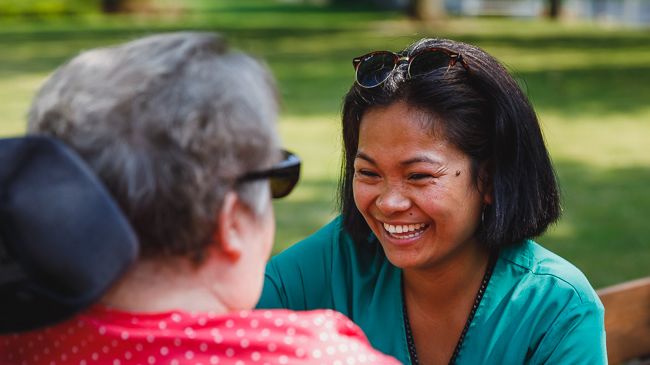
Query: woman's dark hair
[[485, 114]]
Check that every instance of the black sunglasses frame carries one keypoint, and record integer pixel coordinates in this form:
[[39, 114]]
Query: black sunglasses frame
[[286, 173], [454, 58]]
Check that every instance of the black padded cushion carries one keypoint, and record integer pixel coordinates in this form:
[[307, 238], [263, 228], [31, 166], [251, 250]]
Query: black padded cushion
[[63, 240]]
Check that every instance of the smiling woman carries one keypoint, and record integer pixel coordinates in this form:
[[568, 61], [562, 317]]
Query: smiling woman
[[405, 177], [446, 180]]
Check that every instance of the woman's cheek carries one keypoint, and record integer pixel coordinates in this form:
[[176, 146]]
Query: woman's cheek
[[362, 195]]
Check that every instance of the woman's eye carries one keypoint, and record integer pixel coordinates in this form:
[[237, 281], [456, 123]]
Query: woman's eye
[[418, 176], [366, 173]]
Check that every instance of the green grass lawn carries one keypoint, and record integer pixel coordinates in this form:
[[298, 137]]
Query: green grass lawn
[[589, 84]]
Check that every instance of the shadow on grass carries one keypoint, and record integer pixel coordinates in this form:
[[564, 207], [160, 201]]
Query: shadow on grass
[[42, 51], [606, 231], [608, 42], [312, 62], [298, 9], [589, 90]]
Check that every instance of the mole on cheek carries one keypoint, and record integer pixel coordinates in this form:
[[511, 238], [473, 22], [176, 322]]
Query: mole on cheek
[[458, 173]]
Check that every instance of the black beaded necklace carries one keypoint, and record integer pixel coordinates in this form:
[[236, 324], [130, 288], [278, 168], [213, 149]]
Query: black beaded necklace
[[477, 300]]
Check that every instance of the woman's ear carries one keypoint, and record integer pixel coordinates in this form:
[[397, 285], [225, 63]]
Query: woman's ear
[[230, 231], [487, 198], [485, 186]]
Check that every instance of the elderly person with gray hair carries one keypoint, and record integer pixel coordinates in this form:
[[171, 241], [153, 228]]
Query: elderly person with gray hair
[[182, 133]]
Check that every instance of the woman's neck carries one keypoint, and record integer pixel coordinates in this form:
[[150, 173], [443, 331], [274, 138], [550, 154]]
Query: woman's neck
[[439, 301], [158, 285], [452, 280]]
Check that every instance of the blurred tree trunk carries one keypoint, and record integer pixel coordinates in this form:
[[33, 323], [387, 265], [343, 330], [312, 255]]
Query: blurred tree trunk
[[114, 6], [136, 6], [427, 9], [553, 8]]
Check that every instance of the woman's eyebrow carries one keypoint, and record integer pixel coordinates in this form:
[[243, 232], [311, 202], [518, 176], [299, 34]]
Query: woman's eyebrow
[[365, 157], [421, 159], [410, 161]]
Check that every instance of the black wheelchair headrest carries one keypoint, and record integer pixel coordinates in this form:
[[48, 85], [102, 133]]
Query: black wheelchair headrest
[[63, 240]]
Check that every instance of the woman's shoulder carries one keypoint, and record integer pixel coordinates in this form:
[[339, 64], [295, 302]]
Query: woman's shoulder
[[537, 308], [530, 264], [535, 285]]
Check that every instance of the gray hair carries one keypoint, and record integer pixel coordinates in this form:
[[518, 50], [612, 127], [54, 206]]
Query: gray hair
[[168, 122]]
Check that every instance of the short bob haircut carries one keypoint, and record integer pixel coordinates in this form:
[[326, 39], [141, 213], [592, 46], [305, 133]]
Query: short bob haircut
[[168, 122], [483, 113]]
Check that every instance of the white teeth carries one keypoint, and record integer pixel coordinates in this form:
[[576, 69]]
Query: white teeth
[[404, 228]]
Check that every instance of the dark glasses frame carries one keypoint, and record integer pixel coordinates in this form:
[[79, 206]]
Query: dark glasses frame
[[283, 176], [397, 58]]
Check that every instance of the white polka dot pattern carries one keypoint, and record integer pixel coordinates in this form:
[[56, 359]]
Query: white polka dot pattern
[[110, 337]]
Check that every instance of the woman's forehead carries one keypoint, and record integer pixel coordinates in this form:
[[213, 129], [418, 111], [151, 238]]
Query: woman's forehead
[[401, 120], [400, 133]]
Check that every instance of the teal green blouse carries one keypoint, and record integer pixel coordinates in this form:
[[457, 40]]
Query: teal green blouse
[[537, 308]]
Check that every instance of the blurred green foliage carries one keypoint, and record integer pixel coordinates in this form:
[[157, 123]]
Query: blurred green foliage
[[588, 83], [47, 7]]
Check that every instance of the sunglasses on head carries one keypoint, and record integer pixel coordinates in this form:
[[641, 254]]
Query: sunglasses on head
[[372, 69], [283, 176]]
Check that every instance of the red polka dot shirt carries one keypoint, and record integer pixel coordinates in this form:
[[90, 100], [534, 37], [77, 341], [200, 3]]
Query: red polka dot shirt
[[106, 336]]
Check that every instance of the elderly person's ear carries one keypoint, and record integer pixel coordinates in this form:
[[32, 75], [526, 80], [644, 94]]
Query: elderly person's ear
[[234, 222]]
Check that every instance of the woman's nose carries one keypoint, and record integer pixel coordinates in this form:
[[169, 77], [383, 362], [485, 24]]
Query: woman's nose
[[392, 200]]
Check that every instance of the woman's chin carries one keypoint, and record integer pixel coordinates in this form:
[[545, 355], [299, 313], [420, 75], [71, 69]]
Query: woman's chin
[[402, 256]]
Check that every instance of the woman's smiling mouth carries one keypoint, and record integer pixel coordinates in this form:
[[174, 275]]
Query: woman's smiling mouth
[[405, 231]]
